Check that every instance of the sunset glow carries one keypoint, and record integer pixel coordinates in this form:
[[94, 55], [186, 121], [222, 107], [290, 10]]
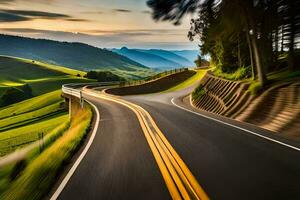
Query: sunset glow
[[103, 23]]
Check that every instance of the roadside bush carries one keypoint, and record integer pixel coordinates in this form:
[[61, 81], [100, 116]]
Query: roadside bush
[[255, 88], [239, 74]]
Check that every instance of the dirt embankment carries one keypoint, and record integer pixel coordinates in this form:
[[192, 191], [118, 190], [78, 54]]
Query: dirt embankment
[[154, 86], [277, 109]]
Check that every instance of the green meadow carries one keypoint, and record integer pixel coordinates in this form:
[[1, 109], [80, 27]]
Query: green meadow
[[30, 100]]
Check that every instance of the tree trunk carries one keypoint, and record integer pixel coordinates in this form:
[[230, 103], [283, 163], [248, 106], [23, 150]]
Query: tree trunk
[[251, 25], [276, 45], [258, 61], [251, 55], [282, 38]]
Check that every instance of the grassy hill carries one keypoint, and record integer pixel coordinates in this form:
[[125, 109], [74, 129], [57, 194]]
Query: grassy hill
[[21, 79], [30, 99], [21, 123], [72, 55]]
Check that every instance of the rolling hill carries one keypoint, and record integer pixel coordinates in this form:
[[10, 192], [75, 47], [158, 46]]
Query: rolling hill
[[21, 79], [72, 55]]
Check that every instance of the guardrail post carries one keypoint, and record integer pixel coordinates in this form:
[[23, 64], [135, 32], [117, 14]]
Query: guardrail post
[[70, 107], [81, 99]]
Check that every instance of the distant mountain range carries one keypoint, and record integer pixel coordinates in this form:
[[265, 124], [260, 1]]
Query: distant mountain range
[[157, 58], [190, 55], [73, 55]]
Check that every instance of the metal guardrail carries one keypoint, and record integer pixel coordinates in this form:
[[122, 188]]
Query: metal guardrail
[[71, 91], [74, 89]]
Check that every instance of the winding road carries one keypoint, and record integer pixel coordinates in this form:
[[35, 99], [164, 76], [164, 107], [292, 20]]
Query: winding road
[[194, 154]]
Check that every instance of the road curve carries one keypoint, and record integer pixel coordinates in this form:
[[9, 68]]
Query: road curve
[[229, 163], [119, 163]]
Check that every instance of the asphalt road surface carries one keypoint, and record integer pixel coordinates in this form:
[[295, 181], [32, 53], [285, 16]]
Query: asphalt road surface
[[228, 163], [119, 164]]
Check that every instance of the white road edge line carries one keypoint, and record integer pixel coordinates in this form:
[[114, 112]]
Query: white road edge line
[[228, 124], [79, 159]]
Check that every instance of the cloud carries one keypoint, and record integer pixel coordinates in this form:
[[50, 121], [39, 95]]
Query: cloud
[[6, 2], [33, 13], [122, 10], [109, 39], [7, 15], [77, 20], [136, 32], [93, 12]]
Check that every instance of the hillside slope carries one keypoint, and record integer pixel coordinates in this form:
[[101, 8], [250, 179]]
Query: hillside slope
[[147, 59], [169, 56], [190, 55], [21, 79], [73, 55], [276, 109]]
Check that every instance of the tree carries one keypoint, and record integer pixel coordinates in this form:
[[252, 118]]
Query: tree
[[217, 22], [198, 61], [262, 34]]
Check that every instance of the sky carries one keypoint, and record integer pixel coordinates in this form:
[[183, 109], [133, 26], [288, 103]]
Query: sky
[[101, 23]]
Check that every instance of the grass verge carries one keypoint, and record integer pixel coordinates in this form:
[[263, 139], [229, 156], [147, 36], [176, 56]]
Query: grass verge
[[189, 82], [240, 74], [9, 171], [38, 176], [273, 78]]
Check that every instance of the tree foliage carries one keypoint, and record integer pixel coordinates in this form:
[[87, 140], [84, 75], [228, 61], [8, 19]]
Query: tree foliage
[[261, 34]]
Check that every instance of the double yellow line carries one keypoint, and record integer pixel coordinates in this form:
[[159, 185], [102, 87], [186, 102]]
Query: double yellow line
[[179, 180]]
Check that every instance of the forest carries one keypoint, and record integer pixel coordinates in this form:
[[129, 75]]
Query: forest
[[254, 37]]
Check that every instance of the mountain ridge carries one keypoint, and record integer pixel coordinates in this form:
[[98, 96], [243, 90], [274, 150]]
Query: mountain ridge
[[74, 55], [157, 58]]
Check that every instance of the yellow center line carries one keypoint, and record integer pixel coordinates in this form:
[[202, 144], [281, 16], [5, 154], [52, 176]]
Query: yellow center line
[[179, 180], [192, 180]]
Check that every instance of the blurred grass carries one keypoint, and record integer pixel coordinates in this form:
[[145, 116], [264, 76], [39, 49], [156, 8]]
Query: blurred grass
[[38, 176], [17, 138], [21, 123], [9, 169]]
